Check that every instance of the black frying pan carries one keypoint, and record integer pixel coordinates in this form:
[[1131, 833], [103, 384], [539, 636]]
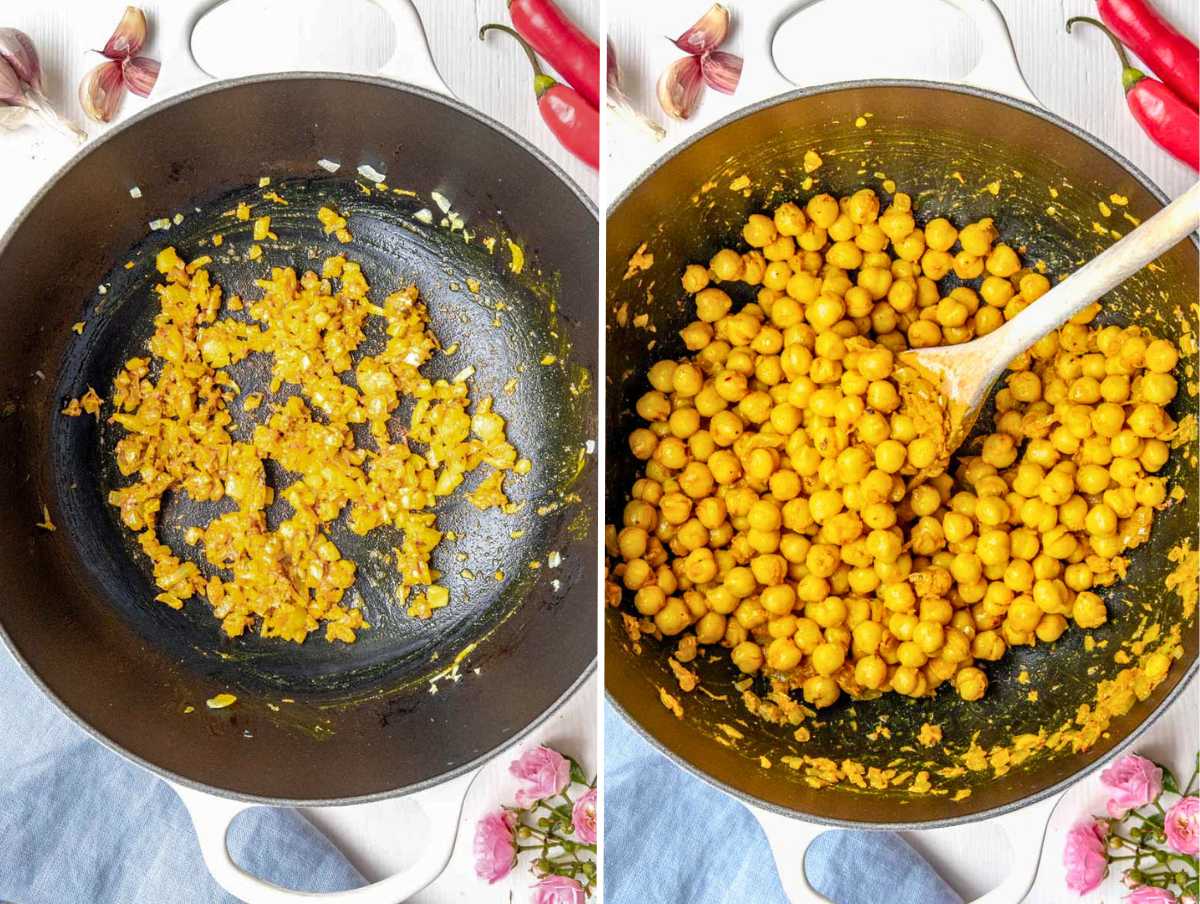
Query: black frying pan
[[77, 603], [919, 135]]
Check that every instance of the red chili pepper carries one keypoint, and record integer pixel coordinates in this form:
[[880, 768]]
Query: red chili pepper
[[574, 123], [1169, 121], [561, 42], [1169, 54]]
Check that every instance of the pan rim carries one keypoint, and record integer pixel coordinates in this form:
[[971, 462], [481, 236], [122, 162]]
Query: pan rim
[[49, 185], [1122, 745]]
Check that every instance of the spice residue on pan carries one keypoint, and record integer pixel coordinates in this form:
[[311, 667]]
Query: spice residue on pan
[[174, 408]]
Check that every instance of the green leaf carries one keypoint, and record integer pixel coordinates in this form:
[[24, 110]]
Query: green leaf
[[578, 776], [1156, 820], [1169, 782]]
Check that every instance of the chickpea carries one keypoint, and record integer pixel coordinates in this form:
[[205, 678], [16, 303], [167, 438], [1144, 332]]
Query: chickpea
[[1088, 610], [971, 683], [821, 691], [726, 265], [695, 278], [778, 479], [1002, 261], [747, 656]]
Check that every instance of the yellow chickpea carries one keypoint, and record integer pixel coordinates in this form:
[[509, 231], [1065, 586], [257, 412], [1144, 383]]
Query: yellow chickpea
[[1088, 610], [748, 657], [821, 691], [695, 278], [759, 231], [1160, 356], [822, 210], [726, 265], [790, 219], [827, 658], [971, 683], [940, 235]]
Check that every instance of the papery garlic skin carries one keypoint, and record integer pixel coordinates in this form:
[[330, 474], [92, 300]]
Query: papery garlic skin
[[708, 33], [722, 71], [679, 87], [101, 90], [621, 107], [18, 51], [21, 97], [128, 37], [140, 74]]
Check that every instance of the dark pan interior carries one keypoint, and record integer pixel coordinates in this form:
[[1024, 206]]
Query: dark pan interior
[[403, 705], [943, 147]]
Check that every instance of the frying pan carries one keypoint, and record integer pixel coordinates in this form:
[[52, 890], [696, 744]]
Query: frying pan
[[414, 707], [917, 134]]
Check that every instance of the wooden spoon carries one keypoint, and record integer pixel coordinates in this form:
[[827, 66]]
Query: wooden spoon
[[966, 373]]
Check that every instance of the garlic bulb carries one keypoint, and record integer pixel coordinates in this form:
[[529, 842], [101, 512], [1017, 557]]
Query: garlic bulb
[[21, 99]]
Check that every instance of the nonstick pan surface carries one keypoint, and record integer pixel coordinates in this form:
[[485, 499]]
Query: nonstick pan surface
[[944, 146], [412, 701]]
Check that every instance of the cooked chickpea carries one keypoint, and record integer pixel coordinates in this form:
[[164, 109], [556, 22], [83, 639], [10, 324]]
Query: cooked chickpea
[[779, 515]]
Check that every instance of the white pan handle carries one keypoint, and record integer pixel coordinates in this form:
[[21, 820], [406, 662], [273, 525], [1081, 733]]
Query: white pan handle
[[790, 840], [411, 62], [213, 815], [1026, 831], [997, 70]]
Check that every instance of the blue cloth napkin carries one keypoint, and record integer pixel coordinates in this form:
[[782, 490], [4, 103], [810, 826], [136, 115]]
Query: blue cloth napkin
[[80, 825], [669, 838]]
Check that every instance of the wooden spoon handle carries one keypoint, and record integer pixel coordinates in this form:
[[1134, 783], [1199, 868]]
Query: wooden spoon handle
[[1108, 269]]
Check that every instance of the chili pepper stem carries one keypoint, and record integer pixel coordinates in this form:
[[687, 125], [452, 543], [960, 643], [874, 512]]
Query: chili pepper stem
[[541, 81], [1130, 75]]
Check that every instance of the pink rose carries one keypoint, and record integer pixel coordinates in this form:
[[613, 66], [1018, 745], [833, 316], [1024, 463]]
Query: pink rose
[[1084, 856], [1182, 826], [495, 850], [558, 890], [583, 817], [545, 772], [1148, 894], [1134, 782]]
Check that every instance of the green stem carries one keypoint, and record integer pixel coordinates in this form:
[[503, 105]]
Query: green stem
[[541, 82], [1129, 75], [1191, 781]]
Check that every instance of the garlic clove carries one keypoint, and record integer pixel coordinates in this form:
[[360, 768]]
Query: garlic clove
[[679, 87], [140, 74], [17, 50], [12, 92], [129, 35], [614, 68], [722, 71], [101, 90], [708, 33]]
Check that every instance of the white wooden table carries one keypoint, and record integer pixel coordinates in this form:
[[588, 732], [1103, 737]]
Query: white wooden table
[[1076, 76], [353, 36]]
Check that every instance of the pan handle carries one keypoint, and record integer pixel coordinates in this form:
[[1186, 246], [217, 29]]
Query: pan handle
[[212, 816], [998, 68], [790, 840], [411, 61]]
